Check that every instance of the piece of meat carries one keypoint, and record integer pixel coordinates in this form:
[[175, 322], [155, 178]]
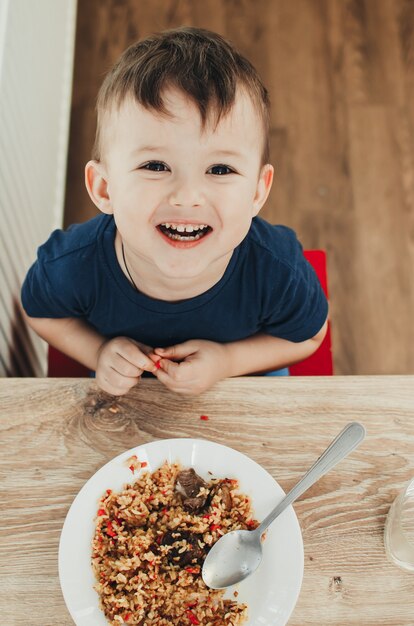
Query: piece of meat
[[195, 505], [226, 497], [222, 490], [194, 555], [191, 483]]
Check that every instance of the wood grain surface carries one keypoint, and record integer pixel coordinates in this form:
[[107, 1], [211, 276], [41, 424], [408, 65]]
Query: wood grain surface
[[55, 434], [341, 79]]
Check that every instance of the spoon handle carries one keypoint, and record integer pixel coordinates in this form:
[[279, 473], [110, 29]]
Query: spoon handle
[[348, 439]]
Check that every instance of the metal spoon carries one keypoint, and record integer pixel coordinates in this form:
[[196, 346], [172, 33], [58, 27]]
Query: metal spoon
[[237, 554]]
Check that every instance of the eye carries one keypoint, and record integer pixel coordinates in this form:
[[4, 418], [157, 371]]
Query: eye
[[154, 166], [220, 170]]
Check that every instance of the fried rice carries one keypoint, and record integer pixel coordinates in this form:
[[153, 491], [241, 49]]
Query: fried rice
[[150, 543]]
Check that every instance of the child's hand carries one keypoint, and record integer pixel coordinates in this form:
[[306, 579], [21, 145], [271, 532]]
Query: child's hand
[[121, 362], [201, 364]]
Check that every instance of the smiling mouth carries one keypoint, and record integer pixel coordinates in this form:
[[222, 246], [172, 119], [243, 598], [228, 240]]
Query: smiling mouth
[[184, 232]]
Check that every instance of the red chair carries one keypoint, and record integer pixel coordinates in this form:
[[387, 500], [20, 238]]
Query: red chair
[[319, 364], [61, 366]]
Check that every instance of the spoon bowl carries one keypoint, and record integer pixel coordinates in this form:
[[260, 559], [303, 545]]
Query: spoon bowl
[[238, 553]]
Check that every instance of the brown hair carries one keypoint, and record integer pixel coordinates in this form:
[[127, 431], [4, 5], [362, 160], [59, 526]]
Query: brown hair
[[198, 62]]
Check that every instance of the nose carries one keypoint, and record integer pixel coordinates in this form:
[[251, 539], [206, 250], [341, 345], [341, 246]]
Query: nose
[[186, 193]]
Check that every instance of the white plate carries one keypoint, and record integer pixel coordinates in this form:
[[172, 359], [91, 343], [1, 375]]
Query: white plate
[[270, 593]]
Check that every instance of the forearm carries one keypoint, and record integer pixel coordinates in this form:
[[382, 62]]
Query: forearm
[[263, 353], [72, 336]]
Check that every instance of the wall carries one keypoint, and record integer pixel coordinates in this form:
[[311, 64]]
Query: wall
[[36, 63]]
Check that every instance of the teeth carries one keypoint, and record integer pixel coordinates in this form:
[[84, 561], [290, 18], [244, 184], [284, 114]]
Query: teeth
[[181, 228], [179, 238]]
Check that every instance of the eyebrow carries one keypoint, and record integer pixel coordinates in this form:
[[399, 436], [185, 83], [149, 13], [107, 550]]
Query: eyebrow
[[227, 153], [146, 149], [232, 153]]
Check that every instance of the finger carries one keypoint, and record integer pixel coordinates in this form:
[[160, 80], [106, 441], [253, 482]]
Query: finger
[[115, 378], [123, 382], [117, 387], [177, 373], [143, 347], [131, 353], [165, 369], [179, 351], [169, 382], [124, 367], [181, 387], [155, 358]]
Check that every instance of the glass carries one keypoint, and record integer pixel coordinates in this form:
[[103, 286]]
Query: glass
[[399, 529]]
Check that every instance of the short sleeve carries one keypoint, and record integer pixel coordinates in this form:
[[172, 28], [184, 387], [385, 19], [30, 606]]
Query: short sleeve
[[65, 279], [302, 307], [53, 286]]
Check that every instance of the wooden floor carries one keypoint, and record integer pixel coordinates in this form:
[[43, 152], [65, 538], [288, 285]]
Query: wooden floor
[[341, 80]]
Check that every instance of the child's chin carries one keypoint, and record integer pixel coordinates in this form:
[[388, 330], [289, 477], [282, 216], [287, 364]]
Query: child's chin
[[180, 270]]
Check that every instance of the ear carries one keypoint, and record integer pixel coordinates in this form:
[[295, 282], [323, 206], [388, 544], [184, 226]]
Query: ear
[[96, 181], [264, 185]]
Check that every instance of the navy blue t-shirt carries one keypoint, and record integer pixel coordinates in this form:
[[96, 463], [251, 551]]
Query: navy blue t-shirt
[[268, 286]]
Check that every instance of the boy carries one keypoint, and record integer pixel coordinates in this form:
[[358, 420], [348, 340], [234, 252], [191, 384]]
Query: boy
[[177, 276]]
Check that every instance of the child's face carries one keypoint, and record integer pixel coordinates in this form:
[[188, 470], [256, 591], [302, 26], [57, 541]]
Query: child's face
[[160, 171]]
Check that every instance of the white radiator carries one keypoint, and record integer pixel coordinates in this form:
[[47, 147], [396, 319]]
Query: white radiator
[[36, 62]]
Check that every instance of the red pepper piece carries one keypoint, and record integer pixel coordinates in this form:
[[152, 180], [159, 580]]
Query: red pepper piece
[[250, 523], [204, 417], [144, 464], [193, 619], [127, 616], [214, 527], [101, 512], [109, 529], [158, 364]]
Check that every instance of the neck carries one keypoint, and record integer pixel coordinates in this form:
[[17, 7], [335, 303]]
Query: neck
[[153, 284]]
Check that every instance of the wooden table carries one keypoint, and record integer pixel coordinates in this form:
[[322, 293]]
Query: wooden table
[[55, 433]]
